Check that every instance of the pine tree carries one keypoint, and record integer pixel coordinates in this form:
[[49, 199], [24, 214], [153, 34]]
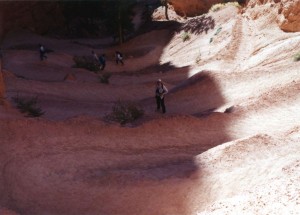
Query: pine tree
[[118, 15], [165, 4]]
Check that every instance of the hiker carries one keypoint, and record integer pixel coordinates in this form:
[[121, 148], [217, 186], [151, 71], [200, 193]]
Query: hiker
[[160, 92], [102, 61], [95, 56], [97, 59], [119, 58], [42, 52]]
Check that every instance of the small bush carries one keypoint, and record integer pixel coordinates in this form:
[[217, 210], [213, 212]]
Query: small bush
[[125, 112], [218, 31], [104, 78], [219, 6], [198, 59], [297, 57], [86, 63], [28, 107], [185, 36]]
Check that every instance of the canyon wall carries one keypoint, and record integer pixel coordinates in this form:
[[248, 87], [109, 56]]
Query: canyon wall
[[39, 16]]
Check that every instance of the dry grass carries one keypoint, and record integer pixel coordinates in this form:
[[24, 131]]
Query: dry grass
[[217, 7]]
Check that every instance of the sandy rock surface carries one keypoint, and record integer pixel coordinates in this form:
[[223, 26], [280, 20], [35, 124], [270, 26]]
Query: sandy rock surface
[[228, 144]]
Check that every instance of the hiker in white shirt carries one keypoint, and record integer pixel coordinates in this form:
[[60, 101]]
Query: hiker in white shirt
[[160, 92]]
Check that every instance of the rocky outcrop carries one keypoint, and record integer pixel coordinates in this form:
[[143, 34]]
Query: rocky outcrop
[[70, 77], [196, 7], [290, 15], [192, 7], [287, 12]]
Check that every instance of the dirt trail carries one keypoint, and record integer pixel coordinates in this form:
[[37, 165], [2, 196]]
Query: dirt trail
[[229, 138]]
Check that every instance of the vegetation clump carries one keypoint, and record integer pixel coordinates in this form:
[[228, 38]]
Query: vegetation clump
[[185, 36], [198, 58], [297, 57], [104, 78], [28, 107], [125, 112], [219, 6], [86, 63]]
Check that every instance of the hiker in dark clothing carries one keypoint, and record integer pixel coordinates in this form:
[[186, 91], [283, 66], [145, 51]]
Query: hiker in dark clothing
[[160, 92], [119, 58], [42, 52], [102, 61]]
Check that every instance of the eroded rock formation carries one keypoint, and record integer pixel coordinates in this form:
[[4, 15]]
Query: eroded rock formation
[[290, 15], [287, 11]]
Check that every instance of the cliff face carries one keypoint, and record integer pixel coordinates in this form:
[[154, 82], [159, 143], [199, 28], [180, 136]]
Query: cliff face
[[1, 88], [287, 12], [41, 17]]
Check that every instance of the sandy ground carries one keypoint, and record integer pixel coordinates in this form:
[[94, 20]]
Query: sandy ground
[[228, 144]]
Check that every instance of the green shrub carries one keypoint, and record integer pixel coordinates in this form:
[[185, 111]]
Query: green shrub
[[297, 57], [198, 59], [86, 63], [218, 31], [28, 107], [219, 6], [185, 36], [104, 78], [125, 112]]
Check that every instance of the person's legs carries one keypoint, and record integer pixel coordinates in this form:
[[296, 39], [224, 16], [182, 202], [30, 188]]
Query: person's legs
[[43, 55], [157, 103], [163, 105]]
